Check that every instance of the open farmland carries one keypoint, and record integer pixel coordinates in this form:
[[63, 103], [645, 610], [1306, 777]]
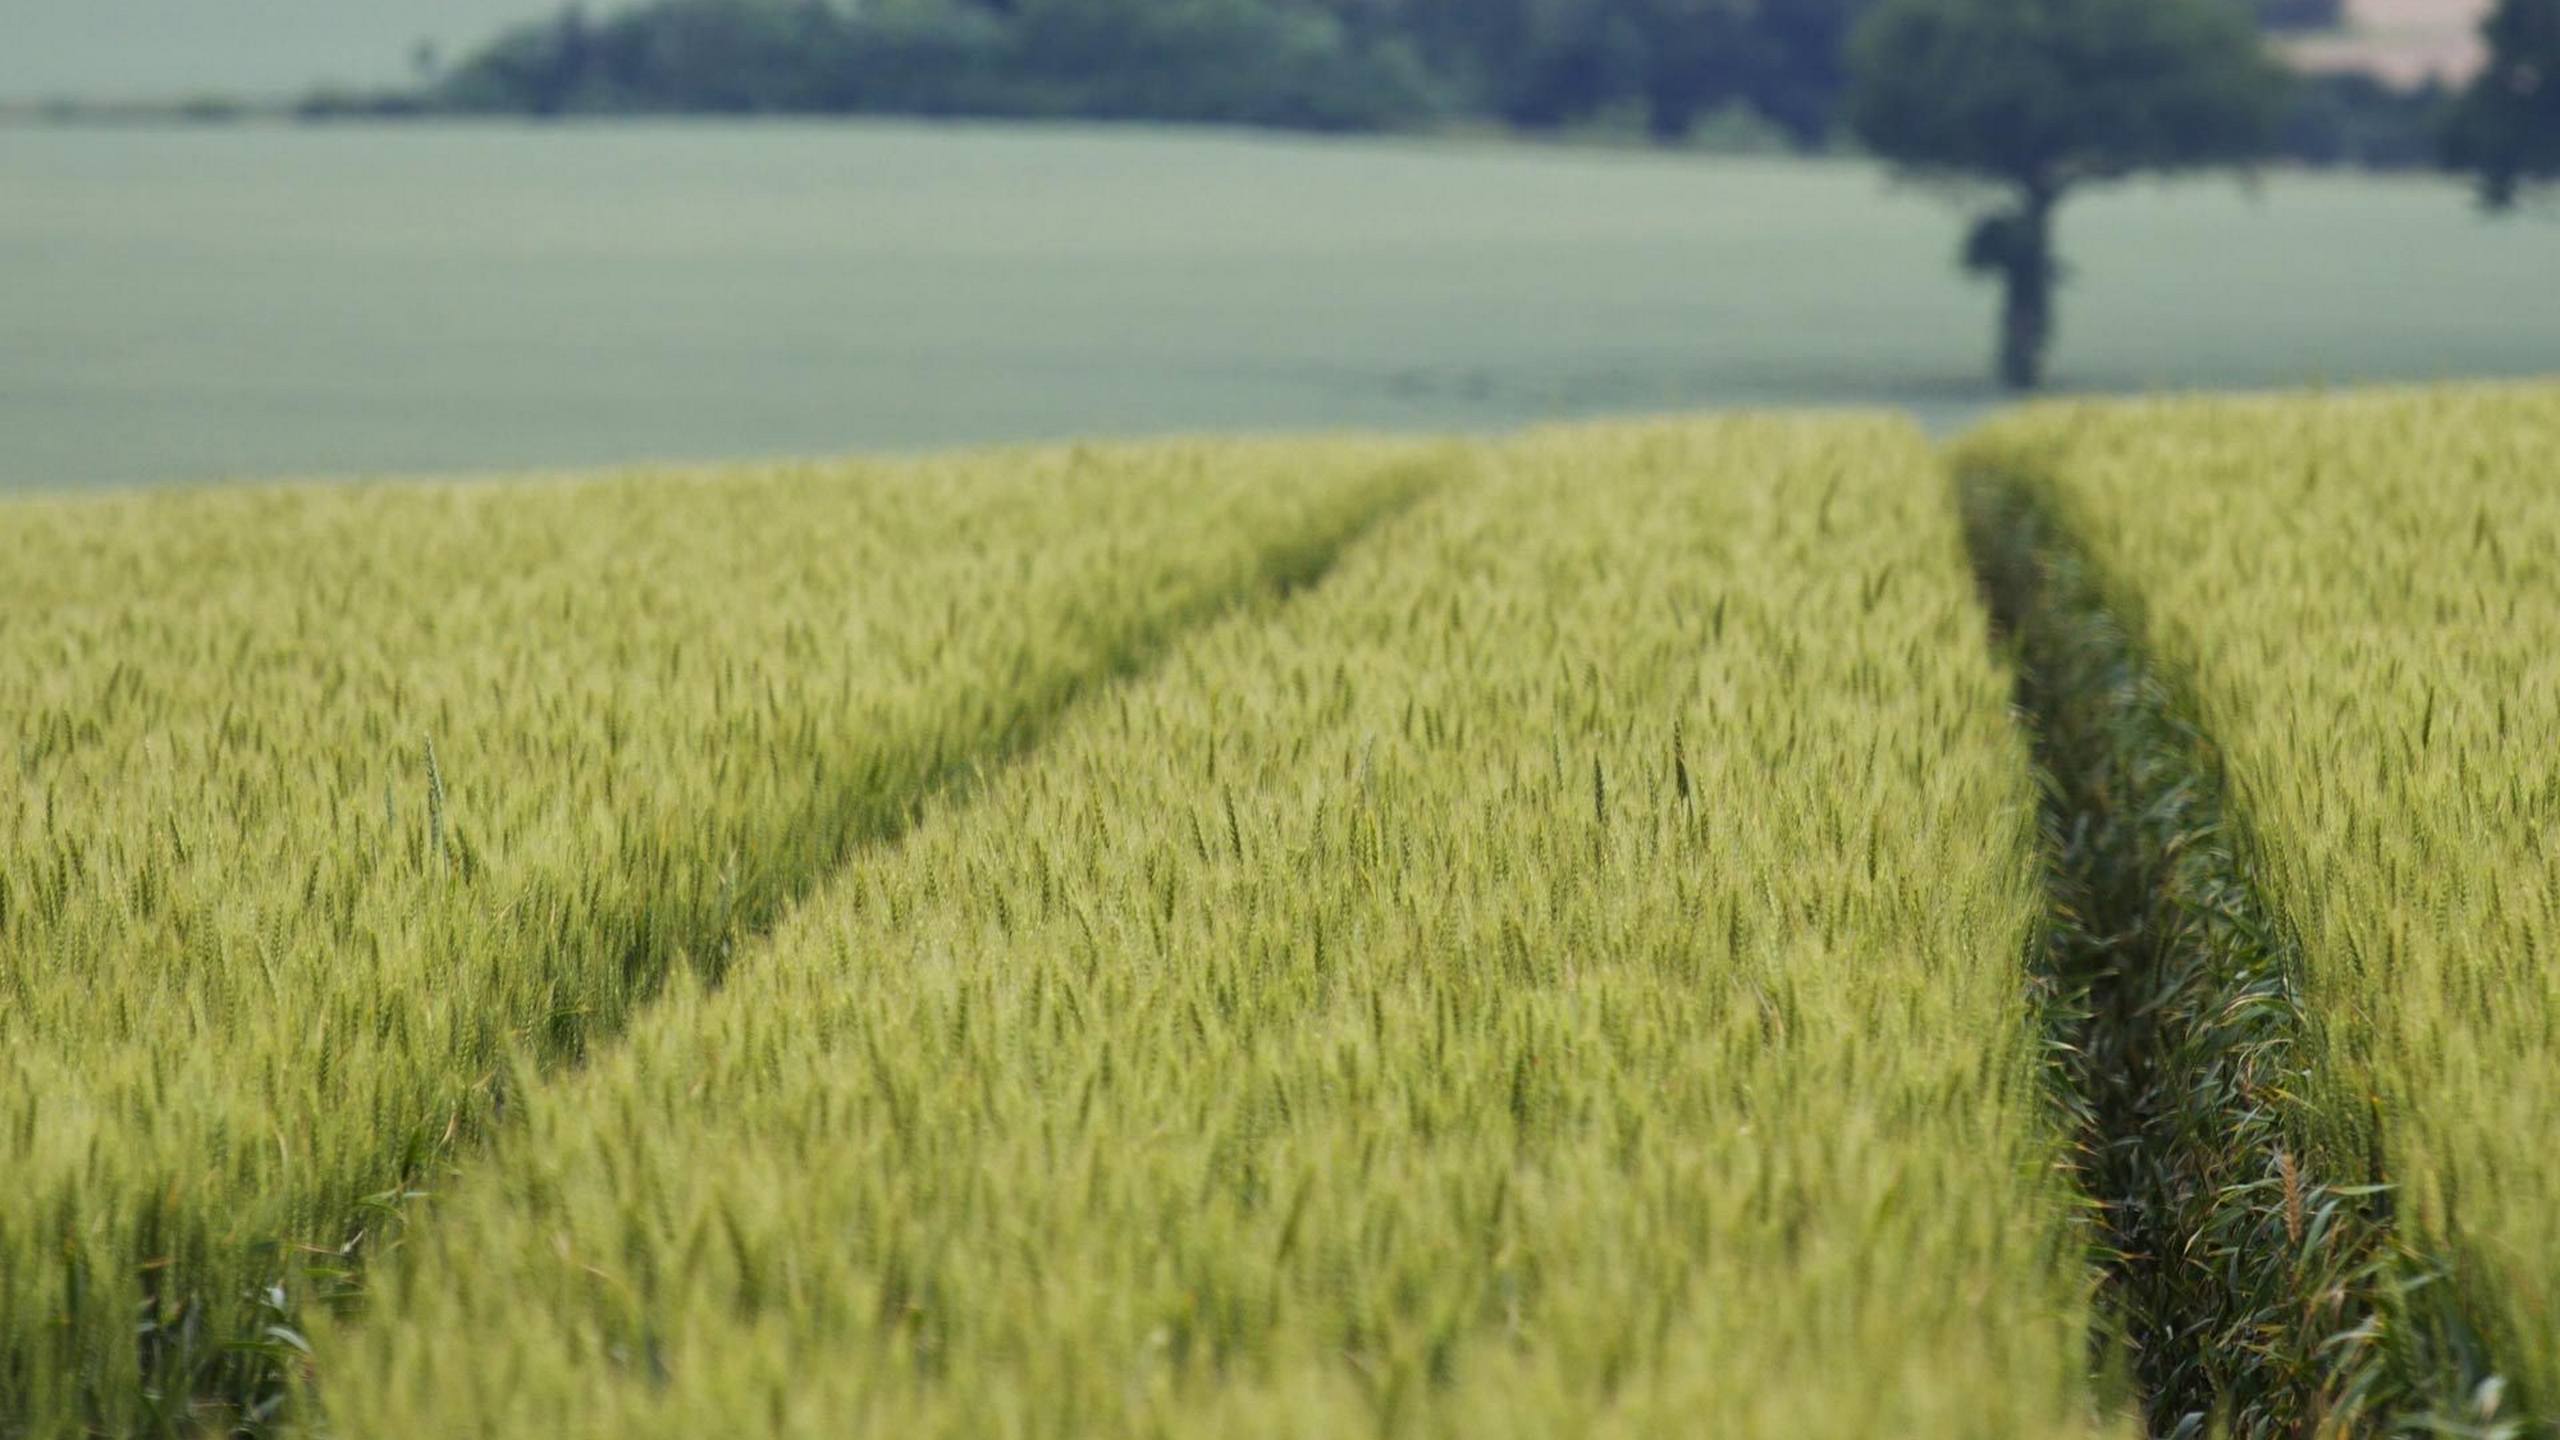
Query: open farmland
[[1744, 927], [2351, 603], [333, 810], [1562, 970], [469, 297], [1559, 977]]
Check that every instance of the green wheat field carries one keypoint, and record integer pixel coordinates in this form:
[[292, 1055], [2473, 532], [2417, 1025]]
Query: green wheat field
[[1765, 925]]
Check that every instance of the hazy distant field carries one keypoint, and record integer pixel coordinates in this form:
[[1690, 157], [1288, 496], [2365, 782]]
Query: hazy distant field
[[201, 303]]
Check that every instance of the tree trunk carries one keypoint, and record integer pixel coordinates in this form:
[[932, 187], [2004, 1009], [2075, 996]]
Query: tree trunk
[[2027, 279]]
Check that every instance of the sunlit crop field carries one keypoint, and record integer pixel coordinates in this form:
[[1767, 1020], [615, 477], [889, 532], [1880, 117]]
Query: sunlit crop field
[[2361, 597], [1593, 932], [336, 812], [1292, 939]]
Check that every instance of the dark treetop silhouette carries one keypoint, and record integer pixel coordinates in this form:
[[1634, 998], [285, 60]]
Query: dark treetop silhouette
[[2506, 130], [2039, 97]]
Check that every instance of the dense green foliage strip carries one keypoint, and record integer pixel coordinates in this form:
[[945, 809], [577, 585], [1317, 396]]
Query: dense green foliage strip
[[329, 811], [2356, 599], [1319, 64], [1666, 64], [1746, 69], [1562, 975], [2252, 1269]]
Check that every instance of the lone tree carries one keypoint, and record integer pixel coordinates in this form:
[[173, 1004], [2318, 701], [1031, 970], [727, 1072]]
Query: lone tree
[[2037, 97], [2506, 130]]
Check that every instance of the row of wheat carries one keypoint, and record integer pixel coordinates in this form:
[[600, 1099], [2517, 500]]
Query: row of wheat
[[332, 815]]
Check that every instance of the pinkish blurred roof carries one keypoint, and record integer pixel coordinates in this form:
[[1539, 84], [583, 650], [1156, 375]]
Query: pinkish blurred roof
[[2404, 41]]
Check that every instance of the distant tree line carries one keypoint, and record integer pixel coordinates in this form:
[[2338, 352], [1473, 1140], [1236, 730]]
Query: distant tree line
[[2016, 104], [1310, 64], [1245, 61], [1658, 66]]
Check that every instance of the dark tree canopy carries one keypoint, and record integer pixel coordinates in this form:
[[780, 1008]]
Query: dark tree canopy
[[2038, 96], [2301, 14], [1325, 64], [2052, 92], [1799, 70], [1296, 65], [2506, 129]]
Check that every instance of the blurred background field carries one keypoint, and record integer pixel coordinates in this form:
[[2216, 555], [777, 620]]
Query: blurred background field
[[200, 302]]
